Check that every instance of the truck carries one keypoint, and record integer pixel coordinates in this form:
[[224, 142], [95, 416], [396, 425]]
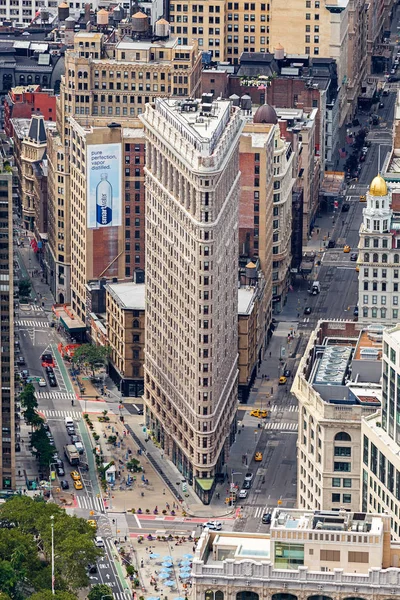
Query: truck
[[315, 288], [71, 454]]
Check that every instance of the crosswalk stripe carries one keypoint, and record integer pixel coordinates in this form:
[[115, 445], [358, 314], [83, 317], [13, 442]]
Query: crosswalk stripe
[[291, 408], [61, 414], [56, 395], [37, 308], [25, 323], [90, 503], [282, 426], [259, 511]]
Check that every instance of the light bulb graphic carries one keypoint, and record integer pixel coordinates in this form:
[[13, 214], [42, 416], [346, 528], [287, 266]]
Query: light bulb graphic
[[104, 199]]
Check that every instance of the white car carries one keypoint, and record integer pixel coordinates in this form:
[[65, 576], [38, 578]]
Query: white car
[[243, 493], [99, 542], [249, 476], [80, 447], [213, 525], [42, 382]]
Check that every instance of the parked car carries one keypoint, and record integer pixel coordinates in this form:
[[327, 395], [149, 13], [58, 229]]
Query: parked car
[[20, 360], [80, 447], [49, 370], [64, 484], [52, 381], [60, 471]]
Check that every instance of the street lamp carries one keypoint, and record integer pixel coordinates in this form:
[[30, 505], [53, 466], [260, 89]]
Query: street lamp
[[52, 554]]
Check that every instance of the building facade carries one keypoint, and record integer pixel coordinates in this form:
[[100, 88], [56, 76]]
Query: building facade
[[125, 310], [379, 258], [192, 204], [7, 397], [380, 474], [337, 383], [306, 556]]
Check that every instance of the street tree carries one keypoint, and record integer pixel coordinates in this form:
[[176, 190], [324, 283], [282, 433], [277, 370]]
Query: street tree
[[27, 397], [24, 288], [44, 451], [91, 356], [100, 591], [48, 595]]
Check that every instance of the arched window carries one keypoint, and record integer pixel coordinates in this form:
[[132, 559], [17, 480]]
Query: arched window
[[366, 257], [29, 79], [375, 257], [384, 258], [246, 595], [365, 311], [282, 596], [219, 595], [342, 436], [45, 79], [383, 313], [319, 598], [37, 78], [22, 79], [209, 595], [396, 258]]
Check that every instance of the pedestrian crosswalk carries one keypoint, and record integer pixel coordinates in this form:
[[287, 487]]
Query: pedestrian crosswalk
[[25, 324], [37, 308], [90, 503], [282, 426], [61, 414], [259, 511], [292, 408], [55, 395]]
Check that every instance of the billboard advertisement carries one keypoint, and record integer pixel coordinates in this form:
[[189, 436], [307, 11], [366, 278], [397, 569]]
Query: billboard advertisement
[[104, 185]]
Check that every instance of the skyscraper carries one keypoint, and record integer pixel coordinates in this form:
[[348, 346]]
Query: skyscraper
[[192, 187], [7, 443]]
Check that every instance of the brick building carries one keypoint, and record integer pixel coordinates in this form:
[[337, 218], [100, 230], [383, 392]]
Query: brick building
[[22, 102]]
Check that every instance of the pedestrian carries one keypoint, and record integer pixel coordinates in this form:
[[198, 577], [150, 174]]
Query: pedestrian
[[141, 563], [270, 354], [163, 491]]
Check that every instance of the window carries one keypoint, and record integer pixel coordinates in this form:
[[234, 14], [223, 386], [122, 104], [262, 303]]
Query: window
[[347, 498], [331, 555], [342, 436], [336, 482], [347, 483], [366, 257], [342, 466], [342, 451], [359, 557], [335, 498]]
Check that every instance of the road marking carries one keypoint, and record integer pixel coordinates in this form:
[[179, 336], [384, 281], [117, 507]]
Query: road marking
[[36, 308], [90, 503], [55, 395], [292, 408], [24, 324], [282, 426], [259, 511], [306, 319], [61, 414]]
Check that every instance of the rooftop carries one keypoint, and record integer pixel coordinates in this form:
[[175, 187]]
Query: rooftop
[[147, 44], [246, 295], [21, 126], [129, 296], [326, 521]]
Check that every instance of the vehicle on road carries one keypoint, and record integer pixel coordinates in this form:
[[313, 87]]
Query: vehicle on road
[[21, 360], [25, 374], [266, 519], [80, 447], [78, 485], [60, 471], [345, 207], [42, 382], [381, 105], [346, 249], [92, 568], [246, 485], [64, 484], [363, 198], [355, 311], [282, 380], [92, 523], [72, 454], [75, 475], [69, 422], [49, 370], [213, 525], [52, 380], [286, 373], [315, 288], [331, 244], [258, 457], [249, 476], [353, 256], [260, 414], [99, 542], [70, 431], [243, 493], [308, 310]]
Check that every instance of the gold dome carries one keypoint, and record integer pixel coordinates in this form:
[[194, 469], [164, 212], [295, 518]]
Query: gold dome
[[378, 186]]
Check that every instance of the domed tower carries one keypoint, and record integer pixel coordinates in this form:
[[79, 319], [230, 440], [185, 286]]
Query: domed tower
[[378, 260], [377, 214], [265, 114]]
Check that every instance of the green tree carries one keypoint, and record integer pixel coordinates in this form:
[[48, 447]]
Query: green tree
[[44, 451], [99, 590], [47, 595], [92, 356], [8, 577], [27, 396], [24, 287], [4, 596]]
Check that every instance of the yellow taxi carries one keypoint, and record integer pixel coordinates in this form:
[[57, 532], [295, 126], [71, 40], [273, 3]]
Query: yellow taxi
[[363, 198], [258, 456], [346, 249], [75, 475], [357, 268], [282, 380], [92, 523], [78, 484], [260, 414]]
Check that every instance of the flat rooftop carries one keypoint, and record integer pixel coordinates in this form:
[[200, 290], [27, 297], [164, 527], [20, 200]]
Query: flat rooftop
[[130, 295], [239, 548], [245, 300], [369, 344], [147, 44], [283, 519], [196, 121], [21, 126]]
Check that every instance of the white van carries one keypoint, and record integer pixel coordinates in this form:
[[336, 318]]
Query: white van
[[69, 422]]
